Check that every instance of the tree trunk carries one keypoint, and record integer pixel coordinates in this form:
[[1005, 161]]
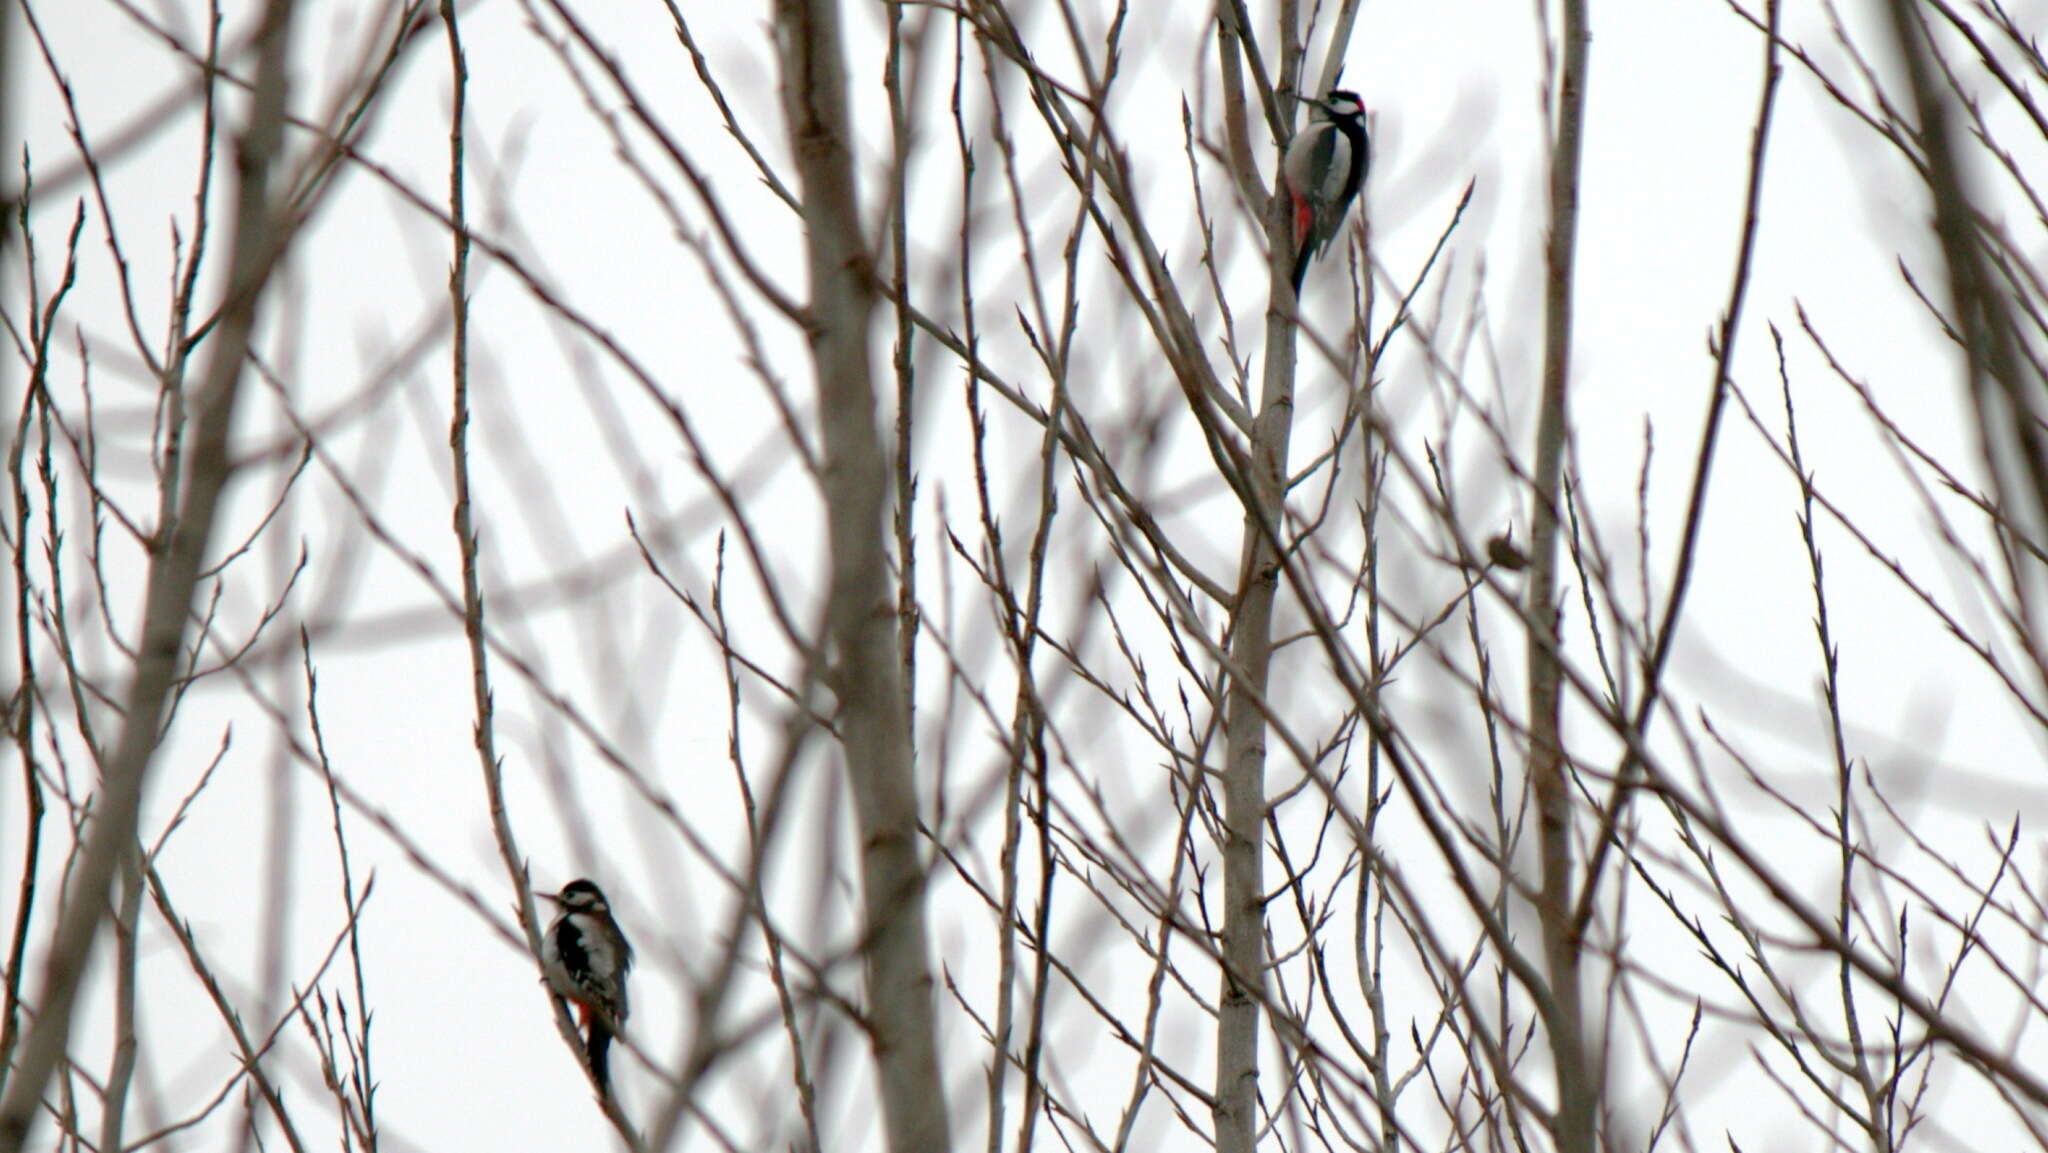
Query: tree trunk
[[861, 625]]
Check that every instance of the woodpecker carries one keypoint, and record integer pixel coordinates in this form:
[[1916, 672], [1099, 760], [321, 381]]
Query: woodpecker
[[1322, 172], [586, 958]]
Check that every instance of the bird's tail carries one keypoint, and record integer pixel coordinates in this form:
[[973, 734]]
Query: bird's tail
[[598, 1050], [1308, 253]]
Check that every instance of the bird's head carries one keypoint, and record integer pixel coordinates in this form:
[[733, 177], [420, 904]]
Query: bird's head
[[578, 896], [1342, 104]]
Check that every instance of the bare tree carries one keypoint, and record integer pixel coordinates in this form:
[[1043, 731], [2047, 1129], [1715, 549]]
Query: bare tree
[[962, 779]]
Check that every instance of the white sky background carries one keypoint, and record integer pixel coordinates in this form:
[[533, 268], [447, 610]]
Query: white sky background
[[465, 1052]]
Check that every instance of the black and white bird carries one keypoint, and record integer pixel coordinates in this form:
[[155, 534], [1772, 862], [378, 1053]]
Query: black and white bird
[[586, 958], [1322, 172]]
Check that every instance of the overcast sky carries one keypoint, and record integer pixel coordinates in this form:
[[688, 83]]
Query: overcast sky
[[569, 445]]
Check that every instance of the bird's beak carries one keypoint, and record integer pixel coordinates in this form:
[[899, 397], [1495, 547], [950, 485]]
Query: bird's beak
[[547, 896]]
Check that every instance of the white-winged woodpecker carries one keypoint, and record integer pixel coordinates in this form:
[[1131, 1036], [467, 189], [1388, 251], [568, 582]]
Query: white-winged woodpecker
[[1322, 172], [586, 958]]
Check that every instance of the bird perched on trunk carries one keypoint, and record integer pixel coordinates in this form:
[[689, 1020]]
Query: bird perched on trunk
[[586, 958], [1322, 172]]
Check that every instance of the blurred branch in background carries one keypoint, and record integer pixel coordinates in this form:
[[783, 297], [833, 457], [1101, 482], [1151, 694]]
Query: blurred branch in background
[[194, 476], [2007, 386]]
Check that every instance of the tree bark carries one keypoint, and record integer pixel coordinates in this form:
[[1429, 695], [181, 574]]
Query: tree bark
[[1242, 997], [861, 628], [1578, 1087]]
